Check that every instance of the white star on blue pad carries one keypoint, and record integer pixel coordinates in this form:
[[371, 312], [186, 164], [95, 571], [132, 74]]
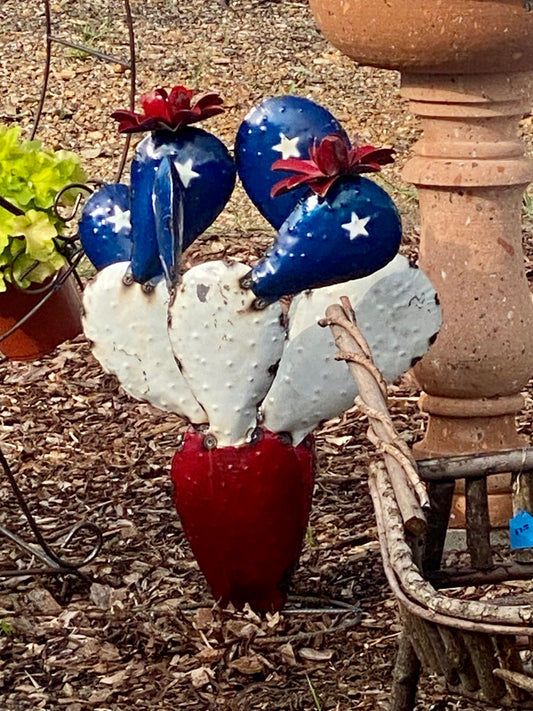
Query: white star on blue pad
[[120, 219], [356, 226], [186, 172], [288, 147]]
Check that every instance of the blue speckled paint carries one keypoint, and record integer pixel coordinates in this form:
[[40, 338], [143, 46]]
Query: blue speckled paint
[[314, 249], [104, 227], [292, 116], [192, 151]]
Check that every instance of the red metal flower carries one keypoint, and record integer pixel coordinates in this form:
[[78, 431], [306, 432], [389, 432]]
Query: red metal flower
[[329, 160], [168, 111]]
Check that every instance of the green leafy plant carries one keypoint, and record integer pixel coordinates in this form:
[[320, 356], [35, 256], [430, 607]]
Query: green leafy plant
[[30, 178]]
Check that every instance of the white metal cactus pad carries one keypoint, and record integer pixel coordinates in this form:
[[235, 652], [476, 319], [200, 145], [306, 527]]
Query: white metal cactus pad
[[309, 307], [227, 351], [398, 315], [128, 328]]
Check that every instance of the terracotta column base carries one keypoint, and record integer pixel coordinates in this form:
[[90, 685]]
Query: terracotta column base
[[469, 426], [464, 426]]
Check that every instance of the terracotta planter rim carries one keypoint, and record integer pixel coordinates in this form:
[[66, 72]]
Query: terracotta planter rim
[[60, 310]]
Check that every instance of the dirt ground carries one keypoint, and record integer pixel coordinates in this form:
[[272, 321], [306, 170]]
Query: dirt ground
[[145, 634]]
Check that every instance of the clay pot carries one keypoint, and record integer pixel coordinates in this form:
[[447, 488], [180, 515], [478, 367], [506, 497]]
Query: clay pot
[[57, 320], [431, 36]]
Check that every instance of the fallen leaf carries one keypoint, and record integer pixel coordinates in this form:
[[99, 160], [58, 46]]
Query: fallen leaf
[[201, 677], [203, 618], [209, 655], [100, 595], [315, 655], [249, 665], [44, 601], [287, 654], [116, 679]]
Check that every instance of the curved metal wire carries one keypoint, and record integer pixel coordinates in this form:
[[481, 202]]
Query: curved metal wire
[[65, 219], [133, 80], [46, 73], [54, 561], [50, 38], [13, 209]]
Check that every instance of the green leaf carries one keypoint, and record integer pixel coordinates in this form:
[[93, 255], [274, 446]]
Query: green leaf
[[38, 231], [31, 177]]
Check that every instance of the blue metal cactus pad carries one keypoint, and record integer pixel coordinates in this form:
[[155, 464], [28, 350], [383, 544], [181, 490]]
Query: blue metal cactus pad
[[280, 127], [105, 225], [206, 172], [354, 231]]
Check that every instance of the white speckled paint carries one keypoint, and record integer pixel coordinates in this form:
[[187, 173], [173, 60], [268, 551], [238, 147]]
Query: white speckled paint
[[398, 315]]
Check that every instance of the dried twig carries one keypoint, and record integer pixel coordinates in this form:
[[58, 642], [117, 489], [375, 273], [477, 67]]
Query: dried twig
[[515, 678], [408, 488], [304, 636]]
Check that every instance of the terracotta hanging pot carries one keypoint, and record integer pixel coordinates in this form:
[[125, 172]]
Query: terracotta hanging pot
[[57, 320]]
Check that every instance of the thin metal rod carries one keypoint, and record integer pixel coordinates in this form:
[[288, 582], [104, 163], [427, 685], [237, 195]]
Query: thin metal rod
[[23, 505], [13, 209], [46, 76], [47, 555], [89, 50], [74, 263], [65, 219], [133, 81], [131, 65]]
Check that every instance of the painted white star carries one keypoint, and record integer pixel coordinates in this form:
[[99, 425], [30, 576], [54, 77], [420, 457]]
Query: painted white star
[[186, 172], [288, 147], [120, 219], [356, 226]]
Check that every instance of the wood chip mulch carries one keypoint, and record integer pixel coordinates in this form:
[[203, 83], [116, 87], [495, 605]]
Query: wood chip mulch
[[144, 632]]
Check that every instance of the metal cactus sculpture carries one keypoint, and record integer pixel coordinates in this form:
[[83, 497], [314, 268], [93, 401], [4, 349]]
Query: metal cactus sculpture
[[216, 346], [346, 228]]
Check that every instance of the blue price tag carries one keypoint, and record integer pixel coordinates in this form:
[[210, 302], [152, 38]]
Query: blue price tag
[[521, 530]]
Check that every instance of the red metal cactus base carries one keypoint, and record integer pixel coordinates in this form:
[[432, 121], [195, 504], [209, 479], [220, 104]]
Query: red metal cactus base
[[244, 511]]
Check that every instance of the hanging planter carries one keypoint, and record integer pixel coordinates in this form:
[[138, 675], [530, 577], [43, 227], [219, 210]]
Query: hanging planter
[[33, 291], [47, 318]]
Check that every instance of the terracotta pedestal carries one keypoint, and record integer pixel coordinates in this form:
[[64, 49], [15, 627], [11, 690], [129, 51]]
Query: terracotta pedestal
[[464, 67], [471, 171]]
